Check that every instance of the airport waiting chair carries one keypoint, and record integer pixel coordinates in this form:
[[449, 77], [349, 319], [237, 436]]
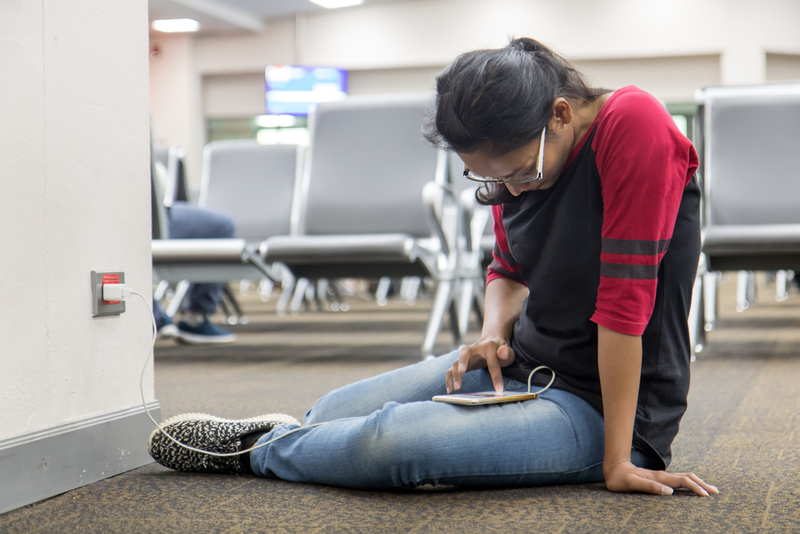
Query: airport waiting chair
[[254, 184], [173, 160], [746, 138], [372, 202], [183, 261]]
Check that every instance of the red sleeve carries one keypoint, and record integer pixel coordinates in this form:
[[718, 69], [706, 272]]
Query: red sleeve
[[644, 164], [503, 263]]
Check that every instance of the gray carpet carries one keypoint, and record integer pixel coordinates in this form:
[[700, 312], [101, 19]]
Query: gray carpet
[[741, 433]]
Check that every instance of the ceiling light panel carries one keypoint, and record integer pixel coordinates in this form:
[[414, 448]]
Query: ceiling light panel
[[333, 4], [175, 25]]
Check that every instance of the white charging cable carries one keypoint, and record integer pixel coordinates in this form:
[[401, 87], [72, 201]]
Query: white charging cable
[[552, 379], [115, 292]]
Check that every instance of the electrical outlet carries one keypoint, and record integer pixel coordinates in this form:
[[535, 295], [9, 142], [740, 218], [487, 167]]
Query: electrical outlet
[[100, 306]]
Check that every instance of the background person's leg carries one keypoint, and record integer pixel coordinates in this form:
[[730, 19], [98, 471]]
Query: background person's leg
[[556, 439], [191, 222]]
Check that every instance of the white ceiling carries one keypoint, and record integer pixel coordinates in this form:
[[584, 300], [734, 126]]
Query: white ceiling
[[218, 16]]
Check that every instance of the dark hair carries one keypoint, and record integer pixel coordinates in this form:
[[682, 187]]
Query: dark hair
[[499, 100]]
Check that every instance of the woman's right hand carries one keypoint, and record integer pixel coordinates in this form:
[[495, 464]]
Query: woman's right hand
[[492, 353]]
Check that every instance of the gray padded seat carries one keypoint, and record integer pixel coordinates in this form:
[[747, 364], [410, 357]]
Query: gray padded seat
[[359, 209], [752, 177], [251, 183]]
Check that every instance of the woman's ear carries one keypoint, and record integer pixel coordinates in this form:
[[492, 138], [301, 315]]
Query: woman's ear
[[561, 114]]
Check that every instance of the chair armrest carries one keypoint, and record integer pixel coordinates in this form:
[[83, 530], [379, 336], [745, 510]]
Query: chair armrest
[[736, 239], [197, 250]]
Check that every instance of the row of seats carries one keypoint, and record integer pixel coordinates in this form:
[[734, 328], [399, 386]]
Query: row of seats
[[369, 198], [746, 138]]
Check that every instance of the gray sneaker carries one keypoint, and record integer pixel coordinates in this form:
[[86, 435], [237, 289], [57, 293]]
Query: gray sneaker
[[209, 433]]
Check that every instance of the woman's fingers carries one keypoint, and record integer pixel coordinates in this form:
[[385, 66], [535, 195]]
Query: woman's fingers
[[506, 355], [460, 366], [477, 356], [494, 371], [688, 481], [647, 485], [626, 478]]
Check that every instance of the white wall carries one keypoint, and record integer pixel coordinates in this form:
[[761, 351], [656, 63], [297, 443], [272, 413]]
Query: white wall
[[74, 196], [175, 101], [233, 95], [670, 47]]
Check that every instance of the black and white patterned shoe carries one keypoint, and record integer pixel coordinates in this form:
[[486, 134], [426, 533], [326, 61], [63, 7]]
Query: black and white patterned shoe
[[209, 433]]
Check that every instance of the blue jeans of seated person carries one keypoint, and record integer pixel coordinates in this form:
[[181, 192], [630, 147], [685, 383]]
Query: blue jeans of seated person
[[385, 432], [186, 221]]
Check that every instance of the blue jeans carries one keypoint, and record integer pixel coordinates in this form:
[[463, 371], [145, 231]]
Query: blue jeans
[[385, 432], [187, 221]]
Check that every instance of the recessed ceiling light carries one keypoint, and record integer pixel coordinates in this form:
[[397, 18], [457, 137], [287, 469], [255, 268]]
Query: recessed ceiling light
[[333, 4], [176, 25]]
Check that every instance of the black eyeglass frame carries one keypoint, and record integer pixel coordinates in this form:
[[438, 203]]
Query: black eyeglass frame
[[469, 175]]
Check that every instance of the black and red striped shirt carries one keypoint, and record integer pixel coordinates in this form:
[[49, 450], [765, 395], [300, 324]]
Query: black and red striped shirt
[[614, 242]]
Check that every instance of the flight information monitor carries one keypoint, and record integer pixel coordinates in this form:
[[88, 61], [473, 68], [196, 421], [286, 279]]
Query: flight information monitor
[[293, 90]]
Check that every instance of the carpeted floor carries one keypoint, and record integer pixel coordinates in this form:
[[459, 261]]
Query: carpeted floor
[[741, 433]]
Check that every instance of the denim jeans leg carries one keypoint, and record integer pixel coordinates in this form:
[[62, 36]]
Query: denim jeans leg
[[191, 222], [555, 439], [385, 432], [413, 383]]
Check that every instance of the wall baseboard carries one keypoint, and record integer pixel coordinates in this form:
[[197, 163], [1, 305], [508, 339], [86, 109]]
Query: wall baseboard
[[42, 464]]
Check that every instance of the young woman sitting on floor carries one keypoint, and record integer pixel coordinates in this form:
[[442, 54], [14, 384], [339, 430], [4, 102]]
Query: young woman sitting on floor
[[596, 218]]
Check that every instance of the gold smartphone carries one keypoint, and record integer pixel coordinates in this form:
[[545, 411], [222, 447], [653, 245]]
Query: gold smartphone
[[485, 397]]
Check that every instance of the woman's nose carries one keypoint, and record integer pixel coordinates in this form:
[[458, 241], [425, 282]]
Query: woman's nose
[[515, 189]]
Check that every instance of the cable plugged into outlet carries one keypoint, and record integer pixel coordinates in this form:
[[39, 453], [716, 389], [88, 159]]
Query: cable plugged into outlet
[[115, 292], [112, 303]]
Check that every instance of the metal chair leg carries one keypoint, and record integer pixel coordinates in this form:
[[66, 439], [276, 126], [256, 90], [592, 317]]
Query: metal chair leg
[[230, 316], [465, 304], [237, 309], [409, 289], [696, 321], [710, 300], [381, 294], [161, 290], [780, 286], [745, 290], [244, 287], [479, 296], [441, 302], [265, 288], [287, 289], [299, 295], [177, 300], [454, 327]]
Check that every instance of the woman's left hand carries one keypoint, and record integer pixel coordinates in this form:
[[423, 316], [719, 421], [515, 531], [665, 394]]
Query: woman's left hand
[[626, 477]]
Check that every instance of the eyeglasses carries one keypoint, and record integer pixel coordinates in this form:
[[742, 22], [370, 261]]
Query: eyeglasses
[[468, 174]]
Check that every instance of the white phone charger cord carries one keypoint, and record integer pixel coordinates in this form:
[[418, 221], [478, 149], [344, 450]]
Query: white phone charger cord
[[552, 379], [144, 403]]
